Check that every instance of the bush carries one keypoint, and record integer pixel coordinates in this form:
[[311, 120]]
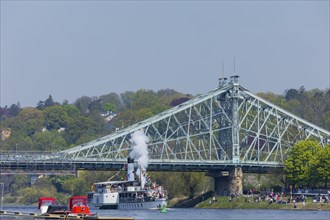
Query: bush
[[9, 199], [32, 194]]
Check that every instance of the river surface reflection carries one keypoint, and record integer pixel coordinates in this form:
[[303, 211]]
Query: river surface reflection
[[200, 214]]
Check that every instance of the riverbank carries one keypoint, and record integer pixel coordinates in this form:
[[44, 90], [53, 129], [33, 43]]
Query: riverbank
[[222, 202]]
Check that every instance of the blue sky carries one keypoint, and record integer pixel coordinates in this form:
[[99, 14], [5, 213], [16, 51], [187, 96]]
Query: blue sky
[[73, 48]]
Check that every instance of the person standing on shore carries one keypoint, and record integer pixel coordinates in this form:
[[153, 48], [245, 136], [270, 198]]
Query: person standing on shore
[[303, 198]]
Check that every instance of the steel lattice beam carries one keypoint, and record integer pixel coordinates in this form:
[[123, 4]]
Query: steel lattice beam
[[226, 125]]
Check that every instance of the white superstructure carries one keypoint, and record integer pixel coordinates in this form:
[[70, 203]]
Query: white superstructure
[[127, 194]]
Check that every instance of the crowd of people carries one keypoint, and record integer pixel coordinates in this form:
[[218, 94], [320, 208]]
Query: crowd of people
[[278, 198]]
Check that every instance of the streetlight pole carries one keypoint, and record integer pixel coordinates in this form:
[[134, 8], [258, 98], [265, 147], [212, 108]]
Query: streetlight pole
[[2, 189]]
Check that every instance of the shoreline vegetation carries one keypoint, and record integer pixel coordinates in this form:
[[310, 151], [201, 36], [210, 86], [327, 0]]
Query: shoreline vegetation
[[243, 202]]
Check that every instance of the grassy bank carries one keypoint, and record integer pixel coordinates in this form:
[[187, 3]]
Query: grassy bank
[[222, 202]]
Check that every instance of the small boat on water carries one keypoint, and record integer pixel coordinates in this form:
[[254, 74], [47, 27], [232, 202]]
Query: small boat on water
[[130, 194], [78, 210], [44, 203], [78, 205]]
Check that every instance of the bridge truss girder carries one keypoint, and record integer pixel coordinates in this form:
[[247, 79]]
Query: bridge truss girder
[[226, 125]]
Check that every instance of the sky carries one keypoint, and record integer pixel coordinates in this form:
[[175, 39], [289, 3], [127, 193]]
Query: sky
[[70, 49]]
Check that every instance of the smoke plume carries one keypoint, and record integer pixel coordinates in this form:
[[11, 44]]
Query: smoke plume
[[140, 154], [140, 148]]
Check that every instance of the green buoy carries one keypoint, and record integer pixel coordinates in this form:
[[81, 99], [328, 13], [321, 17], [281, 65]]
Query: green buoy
[[163, 208]]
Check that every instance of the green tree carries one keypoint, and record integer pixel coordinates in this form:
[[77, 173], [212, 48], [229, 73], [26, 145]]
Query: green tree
[[99, 121], [95, 105], [191, 181], [30, 195], [299, 162], [76, 186], [320, 167], [78, 127], [30, 113], [19, 181], [170, 181], [40, 105], [312, 105], [82, 104], [13, 123], [183, 184], [58, 144], [30, 121], [113, 99], [275, 99], [44, 183], [127, 98], [56, 117], [292, 94], [143, 114], [146, 99], [65, 102], [42, 140], [71, 110], [58, 181], [42, 188], [49, 101], [15, 109], [32, 126], [109, 107], [326, 118], [125, 118]]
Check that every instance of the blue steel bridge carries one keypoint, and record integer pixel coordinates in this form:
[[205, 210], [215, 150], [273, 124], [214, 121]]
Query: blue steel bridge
[[227, 128]]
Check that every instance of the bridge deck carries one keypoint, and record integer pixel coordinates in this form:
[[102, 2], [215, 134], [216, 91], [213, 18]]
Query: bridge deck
[[171, 166]]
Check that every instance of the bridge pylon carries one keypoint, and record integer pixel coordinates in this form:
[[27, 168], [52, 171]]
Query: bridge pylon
[[228, 181]]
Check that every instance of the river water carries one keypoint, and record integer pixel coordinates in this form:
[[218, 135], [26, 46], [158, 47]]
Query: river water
[[199, 214]]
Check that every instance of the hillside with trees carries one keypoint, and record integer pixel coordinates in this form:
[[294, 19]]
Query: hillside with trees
[[52, 126]]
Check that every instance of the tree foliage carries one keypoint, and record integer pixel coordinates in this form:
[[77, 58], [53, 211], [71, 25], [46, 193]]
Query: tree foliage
[[15, 109], [313, 105], [78, 127], [308, 164], [76, 186], [56, 117], [18, 182], [183, 184], [112, 102], [49, 101], [83, 103]]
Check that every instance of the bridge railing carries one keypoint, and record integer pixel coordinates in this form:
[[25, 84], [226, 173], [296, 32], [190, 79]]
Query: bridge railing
[[27, 155], [46, 161]]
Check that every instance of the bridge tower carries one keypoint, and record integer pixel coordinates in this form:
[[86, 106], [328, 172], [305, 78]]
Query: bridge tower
[[231, 179]]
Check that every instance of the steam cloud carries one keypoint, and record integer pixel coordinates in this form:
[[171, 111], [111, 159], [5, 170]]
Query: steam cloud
[[140, 148], [140, 153]]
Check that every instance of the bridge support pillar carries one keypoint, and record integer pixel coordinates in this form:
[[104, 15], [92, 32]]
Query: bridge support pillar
[[226, 182]]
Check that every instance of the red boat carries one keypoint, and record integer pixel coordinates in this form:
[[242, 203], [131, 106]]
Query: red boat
[[79, 206], [44, 202]]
